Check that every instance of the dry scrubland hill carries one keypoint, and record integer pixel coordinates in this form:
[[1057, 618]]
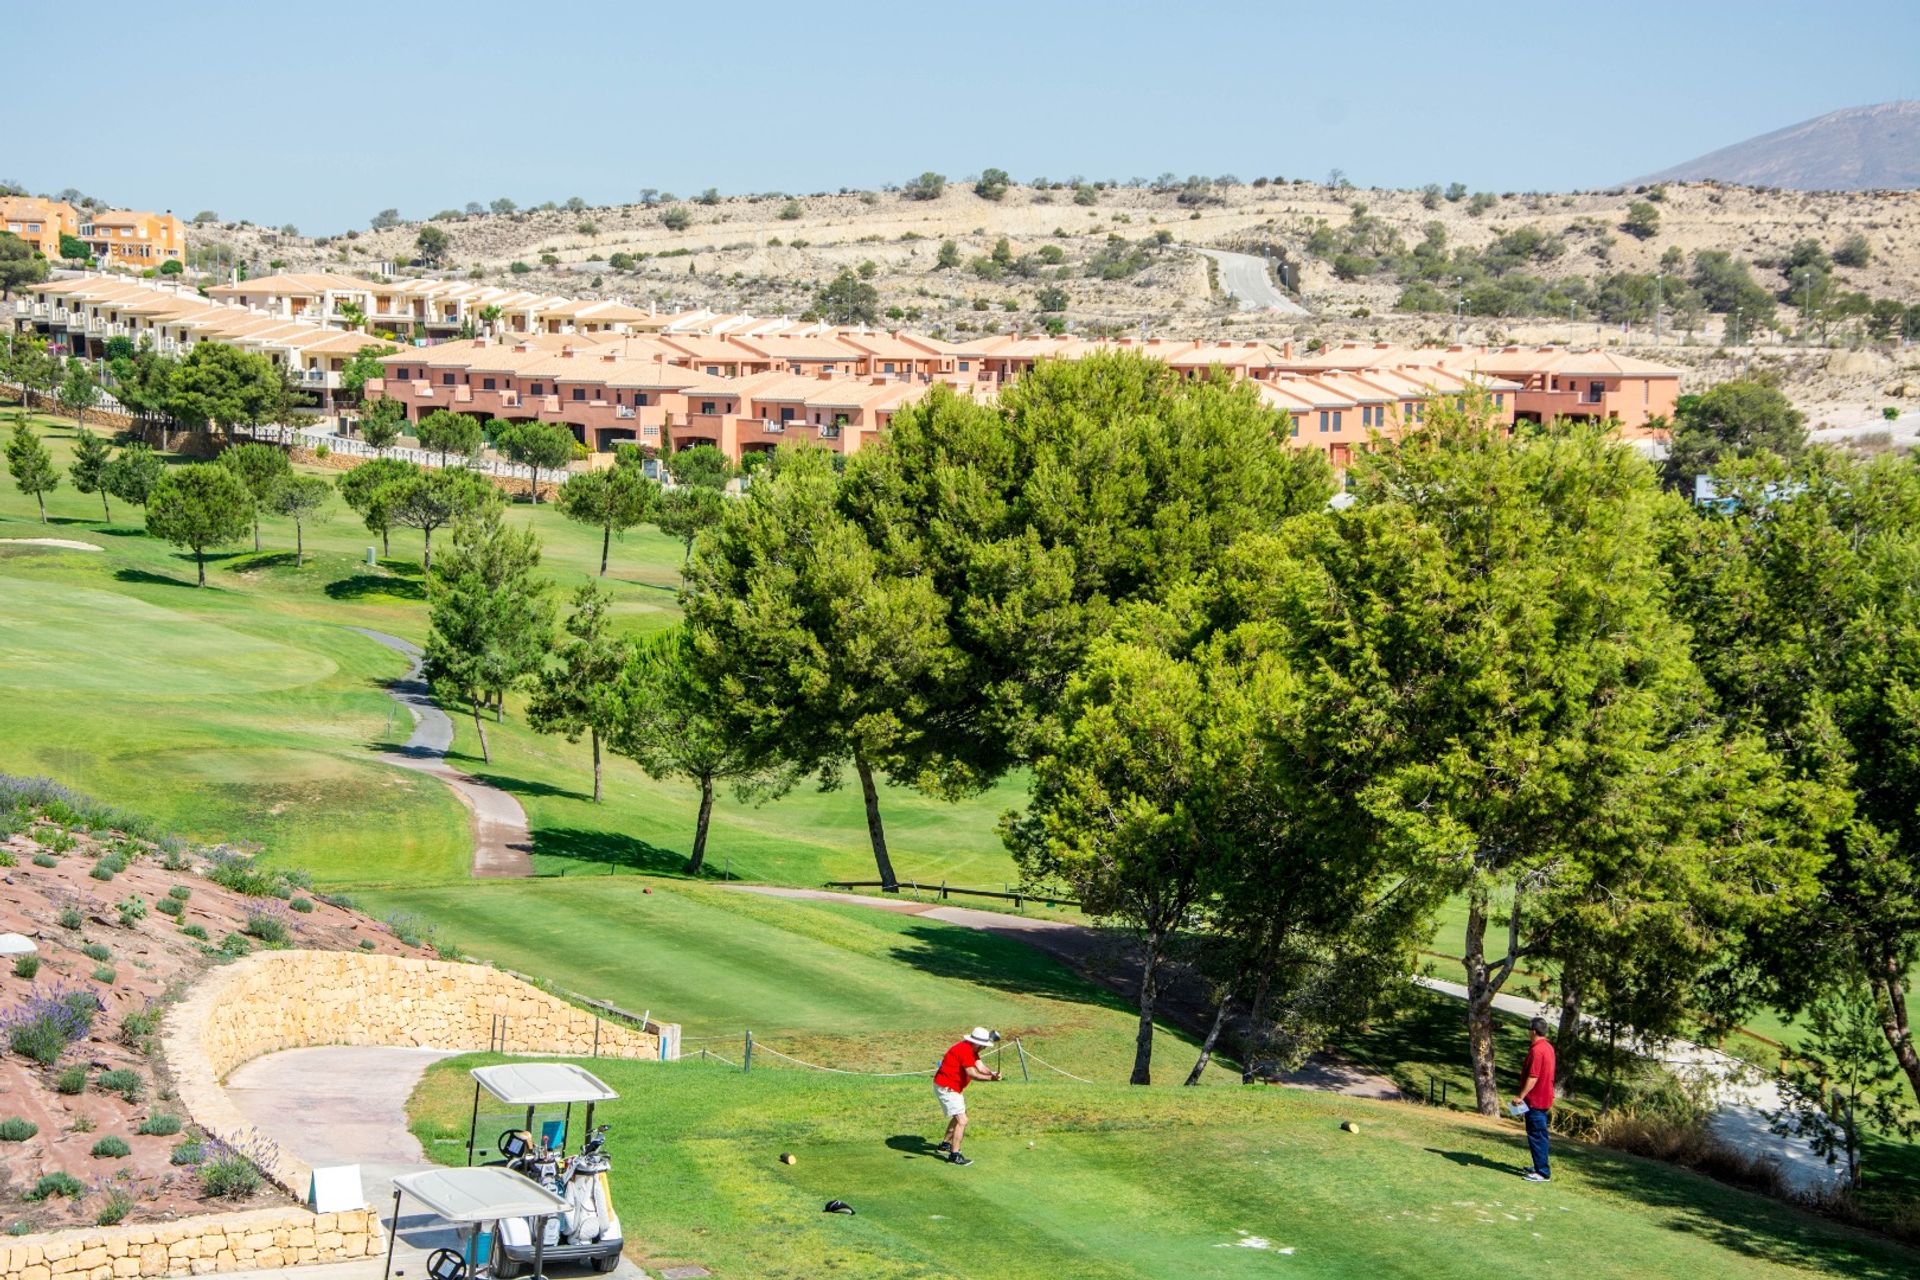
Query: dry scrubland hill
[[725, 257]]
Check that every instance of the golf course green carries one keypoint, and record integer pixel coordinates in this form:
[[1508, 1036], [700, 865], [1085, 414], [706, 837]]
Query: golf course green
[[1103, 1181]]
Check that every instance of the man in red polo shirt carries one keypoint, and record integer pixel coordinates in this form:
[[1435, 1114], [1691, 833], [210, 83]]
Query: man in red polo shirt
[[960, 1067], [1536, 1096]]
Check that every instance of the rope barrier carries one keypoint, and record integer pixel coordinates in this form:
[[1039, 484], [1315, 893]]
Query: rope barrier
[[839, 1071], [1034, 1057]]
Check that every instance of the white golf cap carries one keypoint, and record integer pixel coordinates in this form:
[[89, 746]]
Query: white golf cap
[[980, 1036]]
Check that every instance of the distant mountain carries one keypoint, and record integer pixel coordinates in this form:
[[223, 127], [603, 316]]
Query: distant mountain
[[1856, 149]]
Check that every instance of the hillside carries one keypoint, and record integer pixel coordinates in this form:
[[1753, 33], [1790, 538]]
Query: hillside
[[1875, 148]]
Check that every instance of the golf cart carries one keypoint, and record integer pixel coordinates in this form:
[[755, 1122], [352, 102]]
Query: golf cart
[[534, 1146], [473, 1199]]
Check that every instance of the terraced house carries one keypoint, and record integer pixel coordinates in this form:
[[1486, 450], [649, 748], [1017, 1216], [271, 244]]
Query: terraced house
[[130, 238], [39, 222]]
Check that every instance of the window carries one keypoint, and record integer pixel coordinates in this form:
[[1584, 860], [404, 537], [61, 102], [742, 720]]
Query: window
[[1499, 399], [1323, 419], [706, 406], [400, 374], [487, 384], [786, 415], [1336, 419], [579, 393], [1596, 391], [446, 379], [639, 397], [713, 371], [965, 365], [1294, 423], [887, 367], [539, 388]]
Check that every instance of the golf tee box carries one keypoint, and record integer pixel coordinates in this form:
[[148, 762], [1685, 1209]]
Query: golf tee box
[[334, 1189]]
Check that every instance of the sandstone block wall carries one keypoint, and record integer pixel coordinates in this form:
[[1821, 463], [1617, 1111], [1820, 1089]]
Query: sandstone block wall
[[257, 1239], [274, 1000]]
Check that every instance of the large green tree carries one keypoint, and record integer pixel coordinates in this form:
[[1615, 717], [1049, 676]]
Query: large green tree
[[79, 389], [449, 434], [612, 499], [1733, 420], [823, 652], [30, 465], [362, 365], [1486, 637], [538, 446], [491, 621], [429, 500], [20, 264], [577, 693], [372, 490], [381, 423], [262, 468], [686, 511], [132, 476], [217, 385], [1799, 589], [91, 467], [198, 507], [673, 723]]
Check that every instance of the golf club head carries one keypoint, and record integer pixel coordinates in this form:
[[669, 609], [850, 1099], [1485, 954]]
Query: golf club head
[[838, 1206]]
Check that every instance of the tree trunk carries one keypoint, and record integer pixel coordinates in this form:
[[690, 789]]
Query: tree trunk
[[1213, 1034], [1480, 992], [299, 545], [256, 533], [480, 727], [200, 563], [606, 543], [1149, 993], [106, 512], [699, 857], [426, 559], [41, 498], [1566, 1043], [1890, 984], [875, 832], [593, 739]]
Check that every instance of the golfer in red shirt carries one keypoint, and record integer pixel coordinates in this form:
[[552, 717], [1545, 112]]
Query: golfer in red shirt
[[1536, 1096], [960, 1067]]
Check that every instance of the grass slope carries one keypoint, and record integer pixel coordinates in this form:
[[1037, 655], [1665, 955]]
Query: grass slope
[[1132, 1183]]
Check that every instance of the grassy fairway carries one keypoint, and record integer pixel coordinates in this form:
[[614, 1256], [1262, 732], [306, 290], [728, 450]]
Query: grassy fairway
[[843, 985], [1134, 1183]]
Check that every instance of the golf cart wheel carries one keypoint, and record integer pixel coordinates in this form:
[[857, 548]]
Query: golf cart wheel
[[606, 1264], [504, 1268], [446, 1264]]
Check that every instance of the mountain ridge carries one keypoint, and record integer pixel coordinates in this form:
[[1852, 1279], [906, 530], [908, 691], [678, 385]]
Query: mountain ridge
[[1866, 148]]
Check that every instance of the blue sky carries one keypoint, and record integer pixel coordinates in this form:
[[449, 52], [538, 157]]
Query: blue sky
[[322, 116]]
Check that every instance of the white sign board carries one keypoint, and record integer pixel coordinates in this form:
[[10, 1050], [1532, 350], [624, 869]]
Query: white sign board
[[336, 1189]]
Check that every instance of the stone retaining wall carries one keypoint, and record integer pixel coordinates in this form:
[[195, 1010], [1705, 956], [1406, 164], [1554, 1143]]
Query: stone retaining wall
[[258, 1238], [274, 1000]]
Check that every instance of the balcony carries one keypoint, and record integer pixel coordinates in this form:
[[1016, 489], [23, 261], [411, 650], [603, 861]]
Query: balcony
[[623, 411], [830, 432]]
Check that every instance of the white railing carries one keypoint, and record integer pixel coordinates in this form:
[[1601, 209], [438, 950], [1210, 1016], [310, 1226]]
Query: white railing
[[623, 411], [311, 438]]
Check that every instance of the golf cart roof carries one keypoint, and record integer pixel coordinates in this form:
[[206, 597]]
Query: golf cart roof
[[528, 1084], [479, 1195]]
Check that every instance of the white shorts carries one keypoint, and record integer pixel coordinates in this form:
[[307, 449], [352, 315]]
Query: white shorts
[[952, 1101]]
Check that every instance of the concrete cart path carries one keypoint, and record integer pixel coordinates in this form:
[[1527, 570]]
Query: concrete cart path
[[1095, 954], [1742, 1095], [501, 840], [341, 1104], [1244, 278]]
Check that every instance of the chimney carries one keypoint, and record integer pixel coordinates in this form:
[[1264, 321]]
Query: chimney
[[1286, 349], [566, 352]]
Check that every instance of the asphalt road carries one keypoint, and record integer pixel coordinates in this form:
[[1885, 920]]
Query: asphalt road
[[1244, 277]]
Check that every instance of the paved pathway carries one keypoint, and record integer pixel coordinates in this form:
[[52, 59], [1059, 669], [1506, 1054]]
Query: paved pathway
[[341, 1104], [501, 841], [1743, 1096], [1245, 277], [1099, 955]]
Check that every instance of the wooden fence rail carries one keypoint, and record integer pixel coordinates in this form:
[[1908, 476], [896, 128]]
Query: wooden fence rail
[[1019, 898]]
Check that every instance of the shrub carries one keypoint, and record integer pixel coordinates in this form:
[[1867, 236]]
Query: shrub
[[71, 1080], [133, 909], [194, 931], [7, 859], [366, 944], [237, 871], [103, 869], [235, 945], [267, 927], [1642, 220], [174, 858], [1890, 412], [676, 218], [56, 1184], [81, 1124], [26, 966], [20, 1226], [303, 905], [181, 892], [188, 1153], [138, 1025], [409, 928], [42, 1026], [70, 918], [117, 1205], [96, 951], [45, 860], [105, 973], [226, 1174], [111, 1149], [124, 1081], [170, 907], [56, 840], [14, 1129], [790, 211], [928, 186], [160, 1124]]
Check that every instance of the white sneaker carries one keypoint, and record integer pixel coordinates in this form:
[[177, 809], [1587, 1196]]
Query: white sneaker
[[1534, 1175]]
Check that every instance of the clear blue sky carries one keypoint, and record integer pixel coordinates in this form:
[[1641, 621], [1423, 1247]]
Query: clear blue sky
[[322, 115]]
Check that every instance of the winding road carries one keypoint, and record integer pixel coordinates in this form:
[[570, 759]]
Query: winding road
[[502, 843], [1245, 277]]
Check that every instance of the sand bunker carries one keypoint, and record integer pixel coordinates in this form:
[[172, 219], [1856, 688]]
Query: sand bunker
[[68, 543]]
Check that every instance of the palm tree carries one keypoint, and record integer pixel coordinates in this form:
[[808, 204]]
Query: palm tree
[[490, 314], [355, 317]]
